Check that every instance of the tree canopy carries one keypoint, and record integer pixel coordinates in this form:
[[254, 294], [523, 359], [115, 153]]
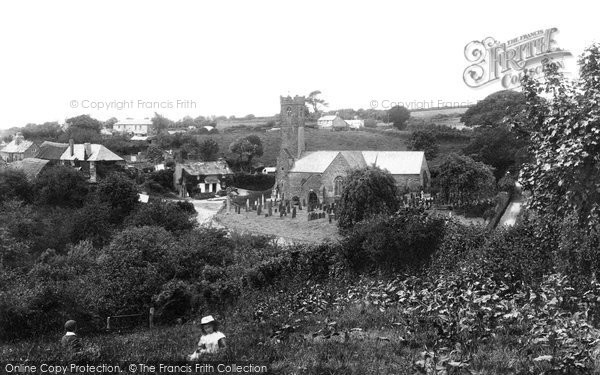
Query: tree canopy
[[494, 108], [562, 120], [462, 176], [424, 140], [399, 115], [366, 193]]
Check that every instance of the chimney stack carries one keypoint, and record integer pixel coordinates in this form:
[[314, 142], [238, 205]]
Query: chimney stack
[[88, 150], [18, 138], [71, 147]]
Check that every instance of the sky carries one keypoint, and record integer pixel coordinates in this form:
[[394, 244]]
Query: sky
[[130, 59]]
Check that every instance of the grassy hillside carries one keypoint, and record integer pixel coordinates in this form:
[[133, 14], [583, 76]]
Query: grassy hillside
[[325, 140]]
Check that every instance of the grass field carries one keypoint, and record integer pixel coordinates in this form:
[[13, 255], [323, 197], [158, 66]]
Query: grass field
[[369, 140]]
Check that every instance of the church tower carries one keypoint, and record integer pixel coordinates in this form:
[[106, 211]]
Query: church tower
[[292, 116]]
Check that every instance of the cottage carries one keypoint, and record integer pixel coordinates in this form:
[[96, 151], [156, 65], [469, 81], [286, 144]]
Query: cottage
[[88, 156], [142, 127], [200, 177], [302, 173], [333, 122], [18, 149], [356, 124]]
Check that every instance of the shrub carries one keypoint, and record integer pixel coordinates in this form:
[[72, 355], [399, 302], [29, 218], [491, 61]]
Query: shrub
[[14, 185], [168, 215], [404, 241]]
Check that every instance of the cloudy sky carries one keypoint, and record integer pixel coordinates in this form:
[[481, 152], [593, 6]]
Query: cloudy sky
[[178, 58]]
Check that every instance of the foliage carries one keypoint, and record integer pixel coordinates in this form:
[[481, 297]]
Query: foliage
[[167, 215], [249, 146], [366, 193], [315, 102], [60, 186], [120, 193], [462, 176], [402, 242], [423, 140], [48, 131], [255, 182], [564, 130], [92, 222], [122, 145], [161, 123], [399, 115], [498, 147], [14, 185], [154, 154], [163, 177], [209, 149], [82, 129], [492, 110]]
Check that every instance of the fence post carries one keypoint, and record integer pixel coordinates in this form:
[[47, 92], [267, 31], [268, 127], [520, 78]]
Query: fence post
[[108, 323], [151, 318]]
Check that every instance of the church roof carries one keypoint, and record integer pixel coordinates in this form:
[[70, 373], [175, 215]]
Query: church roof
[[395, 162]]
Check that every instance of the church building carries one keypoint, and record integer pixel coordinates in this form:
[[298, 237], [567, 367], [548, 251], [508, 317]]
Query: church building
[[318, 175]]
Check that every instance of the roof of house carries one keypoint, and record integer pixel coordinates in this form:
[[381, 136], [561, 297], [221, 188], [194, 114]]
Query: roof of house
[[31, 166], [207, 168], [51, 150], [327, 118], [133, 121], [17, 148], [395, 162], [98, 153]]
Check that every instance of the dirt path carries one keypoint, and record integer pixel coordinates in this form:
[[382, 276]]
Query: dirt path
[[206, 211]]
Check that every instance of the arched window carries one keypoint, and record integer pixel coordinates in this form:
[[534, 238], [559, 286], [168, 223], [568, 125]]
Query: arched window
[[337, 186]]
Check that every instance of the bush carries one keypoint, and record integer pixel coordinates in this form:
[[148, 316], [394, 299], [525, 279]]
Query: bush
[[167, 215], [254, 182], [404, 241], [14, 185]]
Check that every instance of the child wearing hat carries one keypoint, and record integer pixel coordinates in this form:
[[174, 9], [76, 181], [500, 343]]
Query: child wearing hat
[[212, 339], [70, 341]]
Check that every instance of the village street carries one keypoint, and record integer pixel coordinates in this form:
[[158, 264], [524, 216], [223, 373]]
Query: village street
[[206, 210]]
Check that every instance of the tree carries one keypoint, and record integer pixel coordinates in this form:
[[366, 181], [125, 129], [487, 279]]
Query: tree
[[209, 149], [398, 115], [423, 140], [564, 133], [14, 185], [464, 178], [366, 193], [494, 108], [154, 154], [499, 147], [249, 146], [108, 124], [314, 101], [84, 122], [161, 123], [61, 186], [82, 129], [120, 193]]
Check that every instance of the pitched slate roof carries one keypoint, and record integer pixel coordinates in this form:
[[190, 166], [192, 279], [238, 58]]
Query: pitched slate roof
[[51, 150], [207, 168], [99, 153], [396, 162], [327, 118], [31, 166], [17, 148]]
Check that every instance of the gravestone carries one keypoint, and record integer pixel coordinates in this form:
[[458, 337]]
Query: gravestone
[[294, 213]]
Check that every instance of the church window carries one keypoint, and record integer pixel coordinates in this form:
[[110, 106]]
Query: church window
[[337, 186]]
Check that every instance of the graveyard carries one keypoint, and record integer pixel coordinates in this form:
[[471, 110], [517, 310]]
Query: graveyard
[[286, 222]]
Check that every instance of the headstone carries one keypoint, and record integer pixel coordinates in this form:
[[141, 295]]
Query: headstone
[[270, 211], [259, 210], [329, 218], [288, 209], [294, 213], [280, 213], [304, 202]]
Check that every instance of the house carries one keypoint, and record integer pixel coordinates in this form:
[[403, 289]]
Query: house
[[331, 122], [51, 151], [318, 175], [18, 149], [356, 124], [269, 170], [30, 166], [88, 156], [200, 177], [141, 127]]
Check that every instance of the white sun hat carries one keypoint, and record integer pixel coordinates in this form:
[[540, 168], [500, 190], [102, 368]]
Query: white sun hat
[[207, 319]]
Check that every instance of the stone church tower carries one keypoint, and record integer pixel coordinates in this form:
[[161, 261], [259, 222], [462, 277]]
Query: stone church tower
[[293, 114]]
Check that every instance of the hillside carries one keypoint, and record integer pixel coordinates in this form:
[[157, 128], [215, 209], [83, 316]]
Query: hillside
[[390, 140]]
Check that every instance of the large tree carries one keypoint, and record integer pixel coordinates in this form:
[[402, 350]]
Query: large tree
[[315, 102], [366, 193], [61, 186], [249, 147], [424, 140], [564, 132], [120, 193], [209, 149], [399, 115], [464, 178], [14, 185], [494, 108]]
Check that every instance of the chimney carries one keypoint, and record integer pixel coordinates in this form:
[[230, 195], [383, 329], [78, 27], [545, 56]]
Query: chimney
[[88, 150], [19, 138], [71, 147]]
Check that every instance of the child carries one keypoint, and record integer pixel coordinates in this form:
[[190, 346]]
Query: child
[[70, 341], [212, 339]]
